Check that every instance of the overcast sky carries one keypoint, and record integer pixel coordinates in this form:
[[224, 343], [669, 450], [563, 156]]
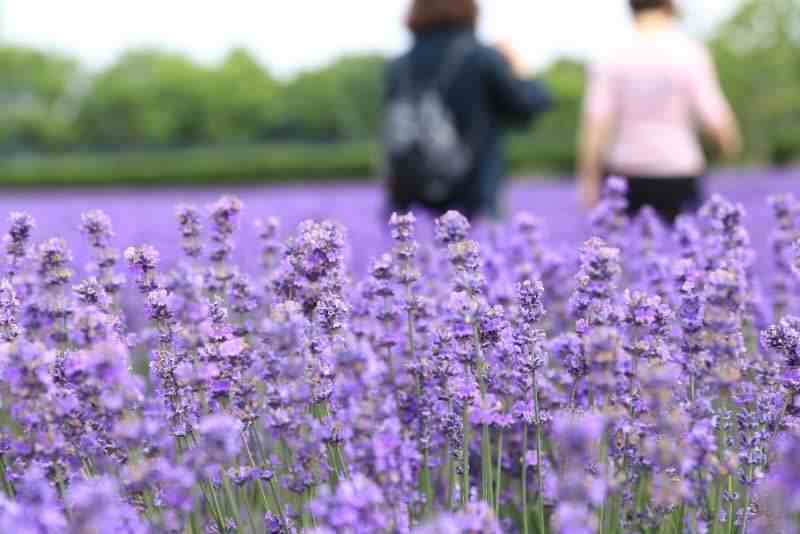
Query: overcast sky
[[290, 35]]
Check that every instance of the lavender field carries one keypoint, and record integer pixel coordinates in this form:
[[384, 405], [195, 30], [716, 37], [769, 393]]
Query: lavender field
[[144, 215], [291, 360]]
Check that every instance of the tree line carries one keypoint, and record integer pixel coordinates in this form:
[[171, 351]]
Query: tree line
[[150, 99]]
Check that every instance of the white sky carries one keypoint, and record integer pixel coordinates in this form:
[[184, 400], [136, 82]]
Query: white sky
[[289, 35]]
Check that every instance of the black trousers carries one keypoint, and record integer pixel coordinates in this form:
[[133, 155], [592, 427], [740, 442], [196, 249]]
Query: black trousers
[[669, 196]]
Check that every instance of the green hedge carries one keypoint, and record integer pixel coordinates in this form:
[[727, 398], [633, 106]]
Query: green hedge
[[267, 163], [255, 164]]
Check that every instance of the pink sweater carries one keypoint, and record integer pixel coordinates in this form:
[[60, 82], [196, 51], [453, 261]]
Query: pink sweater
[[657, 91]]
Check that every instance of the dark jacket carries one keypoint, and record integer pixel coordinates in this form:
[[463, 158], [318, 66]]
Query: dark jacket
[[485, 96]]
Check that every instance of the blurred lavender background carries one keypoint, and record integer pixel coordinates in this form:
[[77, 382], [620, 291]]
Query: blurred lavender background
[[147, 215]]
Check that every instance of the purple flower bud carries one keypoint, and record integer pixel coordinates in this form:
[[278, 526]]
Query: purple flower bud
[[476, 517], [144, 260], [91, 292], [190, 229], [220, 437], [796, 263], [784, 338], [451, 228], [18, 238], [54, 258], [95, 505], [9, 308], [531, 301], [357, 506], [402, 227], [97, 226]]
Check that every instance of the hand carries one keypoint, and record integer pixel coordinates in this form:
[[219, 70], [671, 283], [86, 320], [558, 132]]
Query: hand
[[514, 59], [589, 191]]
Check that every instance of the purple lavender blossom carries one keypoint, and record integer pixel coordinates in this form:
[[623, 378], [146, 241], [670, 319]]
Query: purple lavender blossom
[[53, 258], [96, 506], [452, 227], [190, 226], [9, 309], [474, 519], [144, 260], [17, 241], [357, 506], [609, 219], [220, 438], [579, 489], [35, 509], [593, 302]]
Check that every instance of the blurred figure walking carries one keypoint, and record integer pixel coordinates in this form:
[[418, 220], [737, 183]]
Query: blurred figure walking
[[643, 108], [446, 102]]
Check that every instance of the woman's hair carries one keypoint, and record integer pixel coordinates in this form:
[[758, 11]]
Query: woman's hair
[[639, 6], [429, 15]]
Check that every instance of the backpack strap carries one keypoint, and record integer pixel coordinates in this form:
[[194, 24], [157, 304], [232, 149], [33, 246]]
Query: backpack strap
[[456, 56], [405, 74]]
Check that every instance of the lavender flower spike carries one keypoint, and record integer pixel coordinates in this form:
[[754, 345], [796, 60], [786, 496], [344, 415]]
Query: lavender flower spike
[[17, 241], [9, 308]]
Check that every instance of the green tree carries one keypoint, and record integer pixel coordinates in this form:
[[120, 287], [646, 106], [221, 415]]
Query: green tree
[[36, 97], [244, 100], [148, 98], [339, 102], [758, 56]]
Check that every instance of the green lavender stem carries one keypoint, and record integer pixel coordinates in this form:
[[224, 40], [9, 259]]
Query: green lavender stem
[[731, 507], [525, 529], [264, 500], [486, 466], [465, 459], [539, 460], [499, 474], [232, 502]]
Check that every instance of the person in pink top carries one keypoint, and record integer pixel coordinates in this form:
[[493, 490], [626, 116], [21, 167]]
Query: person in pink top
[[643, 113]]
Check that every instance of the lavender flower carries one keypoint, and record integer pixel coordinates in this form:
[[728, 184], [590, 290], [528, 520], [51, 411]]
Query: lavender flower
[[53, 258], [144, 260], [609, 219], [784, 339], [785, 210], [35, 509], [579, 489], [190, 229], [796, 263], [17, 241], [220, 438], [593, 303], [357, 506], [224, 215], [96, 506], [452, 227], [97, 226], [9, 308], [475, 518]]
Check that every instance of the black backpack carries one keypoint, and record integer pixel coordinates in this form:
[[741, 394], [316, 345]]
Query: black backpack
[[427, 158]]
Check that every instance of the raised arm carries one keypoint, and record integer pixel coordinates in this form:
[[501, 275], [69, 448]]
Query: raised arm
[[514, 99], [712, 108], [595, 134]]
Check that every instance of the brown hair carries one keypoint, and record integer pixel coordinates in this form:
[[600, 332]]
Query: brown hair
[[429, 15], [639, 6]]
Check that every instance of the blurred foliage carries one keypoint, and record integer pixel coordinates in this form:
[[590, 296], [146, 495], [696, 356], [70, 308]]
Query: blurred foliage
[[37, 90], [758, 56], [274, 162], [340, 102], [151, 107]]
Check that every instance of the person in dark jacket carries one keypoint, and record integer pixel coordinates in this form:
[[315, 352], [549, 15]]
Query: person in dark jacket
[[487, 93]]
